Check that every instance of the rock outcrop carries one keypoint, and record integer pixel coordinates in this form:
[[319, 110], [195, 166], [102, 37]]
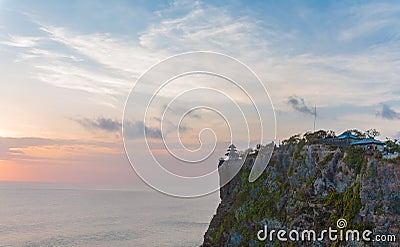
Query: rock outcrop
[[310, 187]]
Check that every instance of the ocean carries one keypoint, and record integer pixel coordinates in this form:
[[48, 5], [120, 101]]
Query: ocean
[[50, 215]]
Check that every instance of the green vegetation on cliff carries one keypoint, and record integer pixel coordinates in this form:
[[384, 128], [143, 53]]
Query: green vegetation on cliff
[[305, 186]]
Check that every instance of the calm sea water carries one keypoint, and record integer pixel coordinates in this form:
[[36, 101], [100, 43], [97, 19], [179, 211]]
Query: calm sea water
[[32, 215]]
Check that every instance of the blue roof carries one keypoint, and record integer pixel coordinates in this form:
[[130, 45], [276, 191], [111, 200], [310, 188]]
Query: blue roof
[[367, 141], [347, 134]]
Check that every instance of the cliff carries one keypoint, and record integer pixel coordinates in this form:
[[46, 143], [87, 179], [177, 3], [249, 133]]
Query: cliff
[[310, 187]]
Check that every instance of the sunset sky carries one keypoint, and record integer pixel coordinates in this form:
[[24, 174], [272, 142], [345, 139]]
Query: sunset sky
[[67, 68]]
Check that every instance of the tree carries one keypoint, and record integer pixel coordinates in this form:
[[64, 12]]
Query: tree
[[330, 134], [392, 145], [314, 136], [292, 140], [372, 133], [318, 135]]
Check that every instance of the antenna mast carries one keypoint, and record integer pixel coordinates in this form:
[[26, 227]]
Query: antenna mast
[[315, 115]]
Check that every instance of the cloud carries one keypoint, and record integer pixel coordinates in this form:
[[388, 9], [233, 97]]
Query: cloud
[[195, 115], [107, 63], [206, 27], [67, 59], [298, 104], [29, 148], [370, 18], [179, 110], [85, 62], [21, 41], [61, 151], [43, 53], [9, 142], [98, 47], [132, 130], [183, 128], [136, 130], [101, 123], [388, 113]]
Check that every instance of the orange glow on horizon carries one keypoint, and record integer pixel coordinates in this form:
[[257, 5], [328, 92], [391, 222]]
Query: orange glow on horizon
[[63, 163], [65, 172], [62, 151], [12, 171]]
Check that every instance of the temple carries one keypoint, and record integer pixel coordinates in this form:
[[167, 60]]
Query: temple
[[231, 154], [349, 139]]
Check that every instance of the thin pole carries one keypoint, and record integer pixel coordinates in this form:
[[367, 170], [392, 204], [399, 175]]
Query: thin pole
[[315, 115]]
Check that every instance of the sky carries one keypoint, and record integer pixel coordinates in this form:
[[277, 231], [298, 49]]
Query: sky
[[67, 68]]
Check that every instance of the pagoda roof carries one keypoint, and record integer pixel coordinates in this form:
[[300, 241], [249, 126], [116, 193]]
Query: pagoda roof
[[347, 135], [367, 141]]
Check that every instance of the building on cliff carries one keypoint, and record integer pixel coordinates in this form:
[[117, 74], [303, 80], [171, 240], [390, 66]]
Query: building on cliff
[[348, 139], [231, 154], [343, 140], [369, 143]]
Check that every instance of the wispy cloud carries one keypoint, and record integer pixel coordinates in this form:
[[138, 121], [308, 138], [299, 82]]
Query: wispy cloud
[[100, 123], [370, 18], [37, 53], [31, 149], [7, 142], [206, 27], [109, 64], [95, 63], [180, 110], [61, 152], [299, 104], [21, 41], [124, 55], [136, 130], [387, 112], [132, 130]]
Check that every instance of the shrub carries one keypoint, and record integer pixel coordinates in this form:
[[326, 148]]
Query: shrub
[[355, 158]]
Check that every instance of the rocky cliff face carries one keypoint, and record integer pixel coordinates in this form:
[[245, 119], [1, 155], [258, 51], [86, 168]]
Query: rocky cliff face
[[310, 187]]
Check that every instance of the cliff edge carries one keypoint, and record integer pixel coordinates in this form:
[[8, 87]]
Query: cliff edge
[[310, 186]]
